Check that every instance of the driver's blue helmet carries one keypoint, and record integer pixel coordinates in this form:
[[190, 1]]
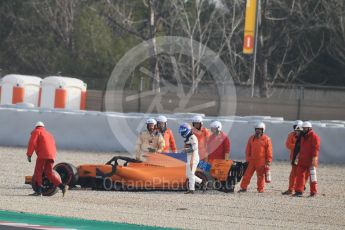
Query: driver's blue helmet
[[184, 130]]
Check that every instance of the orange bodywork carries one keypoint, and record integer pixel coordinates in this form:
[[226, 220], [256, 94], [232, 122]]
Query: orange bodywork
[[157, 172], [220, 169]]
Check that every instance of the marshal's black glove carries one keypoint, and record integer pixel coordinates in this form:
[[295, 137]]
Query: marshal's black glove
[[151, 150], [29, 159]]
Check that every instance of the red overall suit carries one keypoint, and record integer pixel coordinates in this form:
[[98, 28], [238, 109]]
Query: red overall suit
[[43, 143], [258, 153], [290, 144], [310, 146], [169, 141], [218, 146], [202, 135]]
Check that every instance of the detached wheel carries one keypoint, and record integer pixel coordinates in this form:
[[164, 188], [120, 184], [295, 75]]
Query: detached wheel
[[68, 173], [49, 189]]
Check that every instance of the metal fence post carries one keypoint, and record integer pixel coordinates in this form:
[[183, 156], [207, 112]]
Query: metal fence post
[[140, 91], [299, 102]]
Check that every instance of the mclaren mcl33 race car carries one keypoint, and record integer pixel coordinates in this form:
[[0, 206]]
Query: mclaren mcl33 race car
[[159, 171]]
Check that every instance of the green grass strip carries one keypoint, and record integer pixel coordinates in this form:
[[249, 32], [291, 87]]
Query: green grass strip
[[65, 222]]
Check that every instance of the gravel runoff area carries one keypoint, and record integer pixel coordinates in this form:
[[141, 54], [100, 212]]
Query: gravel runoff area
[[211, 209]]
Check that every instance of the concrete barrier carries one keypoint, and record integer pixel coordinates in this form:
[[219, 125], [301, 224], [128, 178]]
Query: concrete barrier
[[90, 131]]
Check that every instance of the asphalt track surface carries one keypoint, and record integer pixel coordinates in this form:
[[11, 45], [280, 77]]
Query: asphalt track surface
[[212, 209]]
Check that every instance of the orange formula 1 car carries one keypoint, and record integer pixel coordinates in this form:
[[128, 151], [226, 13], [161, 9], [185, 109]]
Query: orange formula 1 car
[[158, 171]]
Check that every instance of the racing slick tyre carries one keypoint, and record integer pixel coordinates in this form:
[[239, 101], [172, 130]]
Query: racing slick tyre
[[68, 173], [107, 184], [49, 189]]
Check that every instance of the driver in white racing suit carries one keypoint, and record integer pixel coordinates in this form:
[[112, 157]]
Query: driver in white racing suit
[[191, 148]]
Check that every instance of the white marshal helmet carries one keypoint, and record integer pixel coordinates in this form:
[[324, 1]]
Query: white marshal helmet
[[307, 124], [299, 128], [298, 123], [151, 121], [197, 119], [216, 125], [161, 118], [39, 124], [260, 125]]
